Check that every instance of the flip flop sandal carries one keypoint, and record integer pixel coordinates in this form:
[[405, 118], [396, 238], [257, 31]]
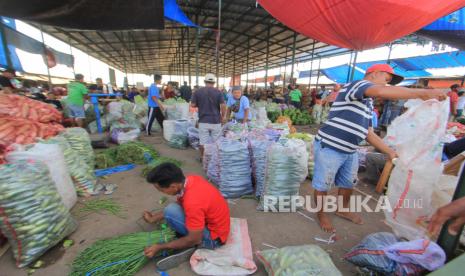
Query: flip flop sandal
[[109, 189]]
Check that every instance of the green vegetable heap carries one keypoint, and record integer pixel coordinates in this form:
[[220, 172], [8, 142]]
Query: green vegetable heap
[[298, 117], [128, 153], [124, 252]]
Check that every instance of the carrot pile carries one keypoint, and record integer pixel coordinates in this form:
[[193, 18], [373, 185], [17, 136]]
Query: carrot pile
[[23, 120]]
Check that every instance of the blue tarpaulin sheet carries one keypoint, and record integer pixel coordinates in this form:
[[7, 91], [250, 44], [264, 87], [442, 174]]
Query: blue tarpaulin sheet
[[173, 12], [412, 67]]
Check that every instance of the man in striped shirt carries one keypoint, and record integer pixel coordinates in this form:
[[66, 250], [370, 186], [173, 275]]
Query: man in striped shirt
[[348, 124]]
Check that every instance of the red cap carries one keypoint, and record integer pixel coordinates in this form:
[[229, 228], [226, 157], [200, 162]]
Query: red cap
[[388, 69]]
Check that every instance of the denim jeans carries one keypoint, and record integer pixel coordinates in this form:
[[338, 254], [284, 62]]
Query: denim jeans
[[333, 167], [174, 216]]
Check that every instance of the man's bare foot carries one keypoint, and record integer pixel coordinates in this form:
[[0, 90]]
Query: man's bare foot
[[350, 216], [325, 223]]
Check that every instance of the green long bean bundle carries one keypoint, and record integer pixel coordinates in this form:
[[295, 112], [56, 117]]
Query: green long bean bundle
[[97, 205], [119, 256]]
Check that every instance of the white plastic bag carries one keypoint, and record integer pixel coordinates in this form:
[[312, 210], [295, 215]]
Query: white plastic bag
[[416, 136], [52, 156], [128, 136], [233, 258]]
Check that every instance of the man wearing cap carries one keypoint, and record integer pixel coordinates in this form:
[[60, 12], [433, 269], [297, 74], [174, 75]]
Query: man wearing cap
[[77, 91], [349, 123], [240, 105], [6, 78], [210, 103]]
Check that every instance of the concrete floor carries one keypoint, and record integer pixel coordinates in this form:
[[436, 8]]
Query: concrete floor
[[135, 195]]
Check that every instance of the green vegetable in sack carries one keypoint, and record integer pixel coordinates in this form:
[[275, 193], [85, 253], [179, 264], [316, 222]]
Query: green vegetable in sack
[[79, 140], [303, 260], [33, 216], [124, 252], [81, 173], [308, 139]]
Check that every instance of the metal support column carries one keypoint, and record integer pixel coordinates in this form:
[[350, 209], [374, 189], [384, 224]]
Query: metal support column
[[247, 63], [353, 66], [350, 66], [285, 70], [218, 42], [318, 76], [182, 56], [234, 67], [389, 54], [293, 57], [267, 55], [45, 54], [197, 33], [224, 69], [311, 67], [189, 57]]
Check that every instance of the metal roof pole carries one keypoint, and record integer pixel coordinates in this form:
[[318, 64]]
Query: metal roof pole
[[311, 67], [197, 33], [350, 67], [318, 76], [71, 52], [182, 55], [46, 63], [285, 65], [293, 57], [353, 66], [247, 63], [224, 69], [218, 41], [267, 55], [389, 54], [234, 67], [189, 56]]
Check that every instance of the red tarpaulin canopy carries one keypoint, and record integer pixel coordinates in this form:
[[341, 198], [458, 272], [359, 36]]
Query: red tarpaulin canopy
[[358, 24]]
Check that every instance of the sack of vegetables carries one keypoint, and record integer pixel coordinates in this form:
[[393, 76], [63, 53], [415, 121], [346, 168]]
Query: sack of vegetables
[[81, 173], [286, 169], [32, 215], [79, 140], [308, 139], [298, 260]]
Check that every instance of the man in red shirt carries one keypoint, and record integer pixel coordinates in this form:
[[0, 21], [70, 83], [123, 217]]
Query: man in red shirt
[[200, 217], [454, 99]]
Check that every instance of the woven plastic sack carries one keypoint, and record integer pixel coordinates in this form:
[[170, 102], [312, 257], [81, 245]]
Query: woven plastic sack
[[168, 129], [300, 260], [82, 175], [179, 138], [369, 253], [230, 168], [308, 139], [416, 135], [79, 140], [259, 150], [52, 156], [33, 216], [286, 169], [193, 137], [233, 258]]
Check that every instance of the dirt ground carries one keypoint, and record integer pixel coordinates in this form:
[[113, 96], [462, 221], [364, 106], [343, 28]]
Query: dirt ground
[[135, 195]]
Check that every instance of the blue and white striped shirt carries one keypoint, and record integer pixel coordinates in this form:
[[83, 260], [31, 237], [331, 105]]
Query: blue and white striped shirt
[[349, 118]]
